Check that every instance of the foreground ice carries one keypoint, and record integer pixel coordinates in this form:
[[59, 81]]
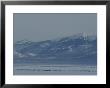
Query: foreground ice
[[29, 69]]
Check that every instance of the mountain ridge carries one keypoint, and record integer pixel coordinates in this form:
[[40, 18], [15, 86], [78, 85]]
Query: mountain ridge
[[76, 49]]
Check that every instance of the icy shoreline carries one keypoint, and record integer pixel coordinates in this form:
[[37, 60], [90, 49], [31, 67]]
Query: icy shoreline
[[54, 69]]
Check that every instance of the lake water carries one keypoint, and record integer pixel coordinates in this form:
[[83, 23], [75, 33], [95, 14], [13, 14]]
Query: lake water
[[48, 69]]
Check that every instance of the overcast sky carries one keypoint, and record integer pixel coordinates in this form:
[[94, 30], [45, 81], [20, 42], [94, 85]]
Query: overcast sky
[[46, 26]]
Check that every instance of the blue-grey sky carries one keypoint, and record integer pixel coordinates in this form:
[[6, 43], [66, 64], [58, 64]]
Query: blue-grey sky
[[46, 26]]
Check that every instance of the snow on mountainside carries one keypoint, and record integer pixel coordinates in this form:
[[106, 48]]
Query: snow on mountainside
[[76, 49]]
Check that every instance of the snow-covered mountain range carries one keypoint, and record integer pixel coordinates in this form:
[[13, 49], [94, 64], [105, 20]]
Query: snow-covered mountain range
[[76, 49]]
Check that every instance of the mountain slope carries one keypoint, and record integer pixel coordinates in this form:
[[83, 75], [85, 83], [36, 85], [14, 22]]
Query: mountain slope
[[77, 49]]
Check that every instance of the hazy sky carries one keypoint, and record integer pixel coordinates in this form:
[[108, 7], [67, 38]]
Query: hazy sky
[[44, 26]]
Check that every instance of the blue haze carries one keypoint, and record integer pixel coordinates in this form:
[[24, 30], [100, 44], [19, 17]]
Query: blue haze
[[40, 27], [55, 44]]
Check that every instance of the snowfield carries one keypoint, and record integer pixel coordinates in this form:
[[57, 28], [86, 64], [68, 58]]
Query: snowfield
[[71, 55]]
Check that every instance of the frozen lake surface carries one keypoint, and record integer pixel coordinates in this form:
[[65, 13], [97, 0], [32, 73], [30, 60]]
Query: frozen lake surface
[[29, 69]]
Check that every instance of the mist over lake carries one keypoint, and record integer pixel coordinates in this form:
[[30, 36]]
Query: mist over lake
[[55, 44]]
